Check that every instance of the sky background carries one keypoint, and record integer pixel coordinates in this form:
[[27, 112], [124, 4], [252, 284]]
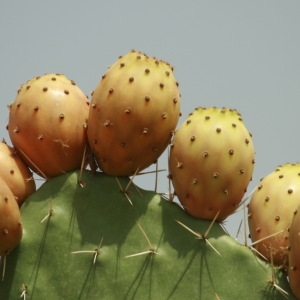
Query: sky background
[[236, 54]]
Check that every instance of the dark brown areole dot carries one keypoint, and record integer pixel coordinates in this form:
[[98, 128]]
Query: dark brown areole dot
[[111, 90], [61, 116], [66, 92], [290, 191], [131, 79], [12, 172], [231, 152], [277, 218], [41, 137], [45, 89], [193, 138], [205, 154], [267, 198], [218, 130], [147, 71], [147, 98], [161, 85], [164, 116], [36, 108], [127, 110]]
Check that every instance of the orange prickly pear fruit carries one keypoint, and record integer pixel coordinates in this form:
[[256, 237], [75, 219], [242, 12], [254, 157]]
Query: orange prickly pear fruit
[[271, 210], [47, 124], [293, 254], [133, 112], [15, 173], [10, 220]]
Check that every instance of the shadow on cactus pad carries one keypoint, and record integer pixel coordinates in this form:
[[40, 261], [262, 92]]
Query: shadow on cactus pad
[[96, 242]]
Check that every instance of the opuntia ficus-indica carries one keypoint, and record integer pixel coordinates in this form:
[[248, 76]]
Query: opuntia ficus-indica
[[271, 210], [211, 162], [47, 124], [133, 112]]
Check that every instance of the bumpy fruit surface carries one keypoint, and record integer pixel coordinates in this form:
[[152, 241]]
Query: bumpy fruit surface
[[271, 210], [211, 162], [10, 220], [294, 251], [133, 112], [15, 173], [47, 124]]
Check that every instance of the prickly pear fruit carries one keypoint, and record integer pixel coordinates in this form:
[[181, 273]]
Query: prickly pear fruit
[[133, 112], [47, 124], [271, 210], [10, 220], [293, 254], [15, 173], [92, 243], [211, 162]]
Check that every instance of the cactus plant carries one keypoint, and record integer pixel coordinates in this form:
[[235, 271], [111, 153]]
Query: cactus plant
[[15, 173], [271, 210], [93, 243], [211, 162], [134, 110], [48, 119]]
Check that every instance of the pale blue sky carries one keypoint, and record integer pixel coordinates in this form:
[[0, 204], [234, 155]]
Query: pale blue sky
[[238, 54]]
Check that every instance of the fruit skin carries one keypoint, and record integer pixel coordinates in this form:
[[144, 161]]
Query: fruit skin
[[10, 220], [271, 210], [293, 254], [99, 214], [47, 124], [15, 173], [134, 110], [211, 162]]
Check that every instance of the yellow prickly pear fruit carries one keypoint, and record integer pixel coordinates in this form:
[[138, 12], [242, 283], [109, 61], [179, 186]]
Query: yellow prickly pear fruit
[[211, 162]]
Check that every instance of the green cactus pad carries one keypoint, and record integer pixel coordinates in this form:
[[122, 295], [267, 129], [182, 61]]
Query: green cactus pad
[[133, 248]]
